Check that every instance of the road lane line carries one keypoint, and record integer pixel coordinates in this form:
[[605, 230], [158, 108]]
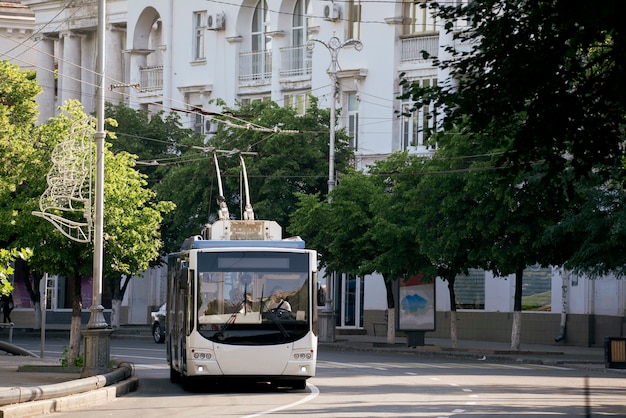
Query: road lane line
[[314, 392]]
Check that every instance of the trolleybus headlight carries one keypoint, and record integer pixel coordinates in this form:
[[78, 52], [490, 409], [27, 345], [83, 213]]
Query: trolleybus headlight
[[201, 356], [302, 356]]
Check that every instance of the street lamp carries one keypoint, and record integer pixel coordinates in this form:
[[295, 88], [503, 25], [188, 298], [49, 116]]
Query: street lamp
[[334, 45], [96, 336]]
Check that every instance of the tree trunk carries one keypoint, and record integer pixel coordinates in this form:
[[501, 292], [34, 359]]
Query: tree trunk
[[391, 313], [453, 336], [37, 307], [22, 274], [116, 306], [77, 305], [453, 331], [516, 329], [119, 284], [391, 328]]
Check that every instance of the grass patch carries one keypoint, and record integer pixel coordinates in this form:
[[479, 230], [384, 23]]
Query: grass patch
[[537, 302]]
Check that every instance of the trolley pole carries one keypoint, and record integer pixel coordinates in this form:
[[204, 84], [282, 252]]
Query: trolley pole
[[334, 45]]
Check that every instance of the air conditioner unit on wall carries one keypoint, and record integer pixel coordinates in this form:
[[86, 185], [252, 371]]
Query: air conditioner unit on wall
[[216, 21], [331, 11], [209, 127]]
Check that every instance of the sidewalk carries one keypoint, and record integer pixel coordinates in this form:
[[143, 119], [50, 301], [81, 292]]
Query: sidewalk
[[24, 371], [582, 357]]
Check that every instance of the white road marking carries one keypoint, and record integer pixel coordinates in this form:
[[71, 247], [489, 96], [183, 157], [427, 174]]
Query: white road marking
[[314, 392]]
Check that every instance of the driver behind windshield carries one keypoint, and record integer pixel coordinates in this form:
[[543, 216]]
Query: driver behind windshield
[[278, 300]]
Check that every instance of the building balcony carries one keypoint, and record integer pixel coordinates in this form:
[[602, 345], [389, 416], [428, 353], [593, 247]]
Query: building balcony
[[295, 61], [255, 67], [412, 47], [151, 79]]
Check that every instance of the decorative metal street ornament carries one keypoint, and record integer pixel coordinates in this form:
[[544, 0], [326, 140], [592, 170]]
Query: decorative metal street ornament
[[69, 184]]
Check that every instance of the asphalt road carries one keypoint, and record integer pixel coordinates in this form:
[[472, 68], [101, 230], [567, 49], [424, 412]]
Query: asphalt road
[[371, 384]]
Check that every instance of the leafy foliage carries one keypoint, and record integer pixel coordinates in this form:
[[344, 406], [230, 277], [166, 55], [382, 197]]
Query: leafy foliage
[[538, 87]]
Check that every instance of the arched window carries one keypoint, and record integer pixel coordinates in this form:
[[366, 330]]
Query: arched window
[[260, 27], [299, 28], [259, 61]]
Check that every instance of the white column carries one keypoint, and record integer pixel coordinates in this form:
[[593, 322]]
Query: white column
[[45, 78], [88, 77], [137, 62], [71, 71], [278, 41], [114, 71]]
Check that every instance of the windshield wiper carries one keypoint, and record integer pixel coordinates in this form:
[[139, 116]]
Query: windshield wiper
[[220, 333]]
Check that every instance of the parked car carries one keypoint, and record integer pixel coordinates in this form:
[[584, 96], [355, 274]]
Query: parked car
[[158, 324]]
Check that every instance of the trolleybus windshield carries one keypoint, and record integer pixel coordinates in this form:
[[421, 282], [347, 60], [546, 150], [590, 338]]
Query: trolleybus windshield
[[253, 298]]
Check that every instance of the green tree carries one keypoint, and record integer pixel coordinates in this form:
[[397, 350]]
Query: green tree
[[18, 114], [131, 225], [431, 191], [152, 137], [537, 87], [132, 221], [363, 229], [548, 77], [290, 156]]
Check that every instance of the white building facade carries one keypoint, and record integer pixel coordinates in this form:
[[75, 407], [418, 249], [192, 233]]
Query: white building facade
[[183, 55], [16, 34]]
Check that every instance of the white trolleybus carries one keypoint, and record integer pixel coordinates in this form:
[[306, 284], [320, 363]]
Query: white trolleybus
[[241, 305]]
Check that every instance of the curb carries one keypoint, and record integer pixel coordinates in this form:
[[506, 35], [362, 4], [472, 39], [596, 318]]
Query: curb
[[70, 402], [505, 356], [50, 394]]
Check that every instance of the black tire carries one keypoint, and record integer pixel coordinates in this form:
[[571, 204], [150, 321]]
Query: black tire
[[158, 334], [174, 376], [298, 384]]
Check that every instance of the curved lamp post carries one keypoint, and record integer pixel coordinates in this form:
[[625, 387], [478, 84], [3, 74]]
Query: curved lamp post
[[334, 45]]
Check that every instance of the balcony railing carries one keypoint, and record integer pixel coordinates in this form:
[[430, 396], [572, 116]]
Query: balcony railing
[[151, 78], [255, 66], [295, 61], [412, 48]]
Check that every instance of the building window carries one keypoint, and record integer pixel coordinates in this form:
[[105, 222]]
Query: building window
[[199, 29], [198, 123], [299, 30], [418, 125], [260, 27], [257, 65], [419, 17], [354, 19], [299, 102], [353, 120], [249, 100], [296, 59], [537, 289], [470, 290]]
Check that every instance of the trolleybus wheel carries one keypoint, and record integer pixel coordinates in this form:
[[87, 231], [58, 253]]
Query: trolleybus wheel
[[174, 375], [298, 384]]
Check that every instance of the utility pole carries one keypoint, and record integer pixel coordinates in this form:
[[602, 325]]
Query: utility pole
[[334, 45], [97, 335]]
